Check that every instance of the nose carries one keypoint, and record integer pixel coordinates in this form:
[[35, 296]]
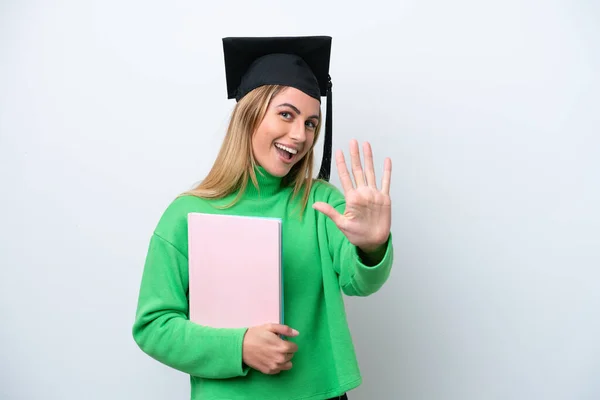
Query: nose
[[298, 132]]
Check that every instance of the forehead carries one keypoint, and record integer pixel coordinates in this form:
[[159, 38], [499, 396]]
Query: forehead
[[305, 103]]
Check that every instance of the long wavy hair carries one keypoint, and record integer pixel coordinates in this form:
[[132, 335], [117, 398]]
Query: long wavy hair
[[235, 165]]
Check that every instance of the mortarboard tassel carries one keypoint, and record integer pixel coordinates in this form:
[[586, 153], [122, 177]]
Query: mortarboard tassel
[[325, 171]]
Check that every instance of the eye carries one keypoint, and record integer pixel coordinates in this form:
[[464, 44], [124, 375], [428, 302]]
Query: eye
[[285, 114], [311, 124]]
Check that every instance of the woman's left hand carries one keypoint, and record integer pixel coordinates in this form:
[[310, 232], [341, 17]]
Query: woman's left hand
[[367, 220]]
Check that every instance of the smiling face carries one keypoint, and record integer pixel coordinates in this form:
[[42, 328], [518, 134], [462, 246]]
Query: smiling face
[[287, 132]]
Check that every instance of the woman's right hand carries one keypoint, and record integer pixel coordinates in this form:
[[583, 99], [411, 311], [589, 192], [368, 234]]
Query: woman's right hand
[[265, 351]]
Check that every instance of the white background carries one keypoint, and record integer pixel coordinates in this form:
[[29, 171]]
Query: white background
[[489, 110]]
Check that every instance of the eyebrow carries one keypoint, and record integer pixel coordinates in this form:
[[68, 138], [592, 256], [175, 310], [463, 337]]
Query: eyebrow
[[293, 107]]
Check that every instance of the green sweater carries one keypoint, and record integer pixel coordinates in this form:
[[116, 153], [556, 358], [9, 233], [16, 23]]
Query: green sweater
[[319, 264]]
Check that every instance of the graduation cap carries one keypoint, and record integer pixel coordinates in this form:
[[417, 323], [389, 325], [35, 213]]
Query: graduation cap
[[301, 62]]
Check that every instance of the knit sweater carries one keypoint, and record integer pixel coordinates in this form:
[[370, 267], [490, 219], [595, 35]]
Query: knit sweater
[[319, 265]]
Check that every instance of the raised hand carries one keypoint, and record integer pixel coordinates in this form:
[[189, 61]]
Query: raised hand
[[367, 220], [265, 351]]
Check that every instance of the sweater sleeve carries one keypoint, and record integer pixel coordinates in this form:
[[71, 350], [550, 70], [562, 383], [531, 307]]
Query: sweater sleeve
[[163, 330], [356, 278]]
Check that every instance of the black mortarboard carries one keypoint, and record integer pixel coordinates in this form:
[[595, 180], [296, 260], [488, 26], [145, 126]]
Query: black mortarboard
[[300, 62]]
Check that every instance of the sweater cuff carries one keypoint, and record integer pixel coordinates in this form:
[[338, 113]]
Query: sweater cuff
[[230, 360], [242, 369], [374, 274]]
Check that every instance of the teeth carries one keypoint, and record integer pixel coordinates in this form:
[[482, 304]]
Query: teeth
[[282, 147]]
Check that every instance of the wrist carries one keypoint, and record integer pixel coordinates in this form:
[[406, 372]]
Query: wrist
[[372, 255]]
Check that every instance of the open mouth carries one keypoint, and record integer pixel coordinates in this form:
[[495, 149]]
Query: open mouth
[[285, 152]]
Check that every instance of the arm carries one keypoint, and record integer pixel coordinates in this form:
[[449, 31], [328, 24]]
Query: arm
[[358, 224], [162, 328]]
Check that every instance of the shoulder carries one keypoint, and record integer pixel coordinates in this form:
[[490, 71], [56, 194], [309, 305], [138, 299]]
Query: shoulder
[[326, 192], [172, 224]]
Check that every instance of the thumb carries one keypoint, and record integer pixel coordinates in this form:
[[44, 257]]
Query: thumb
[[329, 211], [282, 330]]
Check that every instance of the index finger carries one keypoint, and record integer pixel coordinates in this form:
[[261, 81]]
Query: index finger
[[281, 329]]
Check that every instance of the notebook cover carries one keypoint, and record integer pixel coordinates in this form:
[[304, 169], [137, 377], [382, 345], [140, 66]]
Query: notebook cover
[[235, 274]]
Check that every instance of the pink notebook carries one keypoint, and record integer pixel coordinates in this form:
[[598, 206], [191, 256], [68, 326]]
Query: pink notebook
[[235, 274]]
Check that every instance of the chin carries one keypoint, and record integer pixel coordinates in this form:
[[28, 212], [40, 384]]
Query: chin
[[278, 171]]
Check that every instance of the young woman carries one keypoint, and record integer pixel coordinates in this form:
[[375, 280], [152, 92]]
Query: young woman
[[334, 242]]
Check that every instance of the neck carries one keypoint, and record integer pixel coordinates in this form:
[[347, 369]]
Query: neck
[[268, 184]]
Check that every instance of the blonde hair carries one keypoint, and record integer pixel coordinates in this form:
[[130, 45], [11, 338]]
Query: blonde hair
[[235, 163]]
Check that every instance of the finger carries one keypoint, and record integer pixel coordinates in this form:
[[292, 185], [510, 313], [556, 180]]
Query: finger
[[271, 370], [369, 166], [287, 352], [343, 173], [287, 366], [290, 347], [282, 330], [357, 171], [330, 212], [387, 176], [283, 358]]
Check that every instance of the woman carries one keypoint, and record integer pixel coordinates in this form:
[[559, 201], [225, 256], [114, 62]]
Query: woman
[[341, 244]]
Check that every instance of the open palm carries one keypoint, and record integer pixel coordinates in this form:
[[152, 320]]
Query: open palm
[[366, 221]]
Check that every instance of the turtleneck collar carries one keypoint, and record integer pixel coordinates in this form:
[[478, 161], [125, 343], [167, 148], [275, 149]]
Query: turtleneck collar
[[268, 184]]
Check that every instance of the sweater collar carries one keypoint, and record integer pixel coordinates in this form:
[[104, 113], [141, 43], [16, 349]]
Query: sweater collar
[[268, 184]]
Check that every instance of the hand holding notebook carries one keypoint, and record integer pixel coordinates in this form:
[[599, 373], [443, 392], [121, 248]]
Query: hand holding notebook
[[264, 350]]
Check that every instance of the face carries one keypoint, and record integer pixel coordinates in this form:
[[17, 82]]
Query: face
[[287, 132]]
